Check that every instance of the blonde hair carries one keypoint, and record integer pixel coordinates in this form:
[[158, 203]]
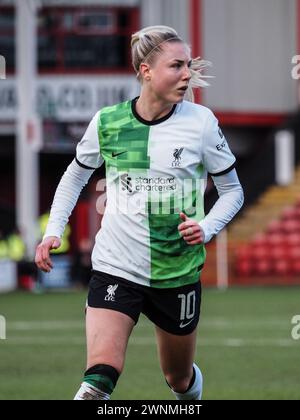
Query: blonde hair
[[148, 42]]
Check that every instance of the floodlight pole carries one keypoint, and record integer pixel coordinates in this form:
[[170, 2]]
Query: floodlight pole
[[196, 35], [27, 169]]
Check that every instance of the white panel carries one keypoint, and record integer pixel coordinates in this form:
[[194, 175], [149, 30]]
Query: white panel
[[284, 157], [251, 43], [70, 98], [64, 3], [172, 13], [8, 282], [151, 13]]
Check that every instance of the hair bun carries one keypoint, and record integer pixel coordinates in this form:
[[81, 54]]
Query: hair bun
[[134, 39]]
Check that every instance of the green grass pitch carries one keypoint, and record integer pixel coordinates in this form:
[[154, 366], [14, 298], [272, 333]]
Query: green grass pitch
[[245, 348]]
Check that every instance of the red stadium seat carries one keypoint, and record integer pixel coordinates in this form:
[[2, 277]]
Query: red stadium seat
[[244, 267], [276, 239], [296, 267], [298, 203], [263, 267], [274, 227], [259, 239], [290, 226], [243, 253], [282, 267], [260, 252], [293, 239], [294, 253], [289, 213], [278, 252]]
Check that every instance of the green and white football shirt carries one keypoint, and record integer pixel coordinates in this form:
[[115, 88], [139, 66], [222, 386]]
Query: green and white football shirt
[[154, 170]]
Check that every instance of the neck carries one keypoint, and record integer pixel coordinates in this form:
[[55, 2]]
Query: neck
[[151, 109]]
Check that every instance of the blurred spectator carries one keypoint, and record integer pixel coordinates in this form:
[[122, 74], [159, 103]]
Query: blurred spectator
[[15, 246], [65, 244], [3, 247], [82, 263]]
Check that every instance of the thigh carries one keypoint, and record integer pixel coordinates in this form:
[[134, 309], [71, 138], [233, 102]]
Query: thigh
[[113, 307], [107, 291], [176, 352], [176, 313], [174, 310], [107, 333]]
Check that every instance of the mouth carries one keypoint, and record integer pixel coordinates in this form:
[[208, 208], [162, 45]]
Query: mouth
[[183, 89]]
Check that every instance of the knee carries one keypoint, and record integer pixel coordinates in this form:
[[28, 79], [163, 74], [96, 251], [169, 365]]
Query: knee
[[117, 364], [178, 383], [111, 358]]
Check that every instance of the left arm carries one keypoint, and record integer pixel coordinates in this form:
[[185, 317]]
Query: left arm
[[231, 198], [219, 161]]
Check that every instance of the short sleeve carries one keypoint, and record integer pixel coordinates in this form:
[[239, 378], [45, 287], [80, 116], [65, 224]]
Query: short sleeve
[[216, 154], [88, 149]]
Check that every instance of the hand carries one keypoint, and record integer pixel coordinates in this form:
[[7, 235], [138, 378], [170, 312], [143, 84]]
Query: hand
[[42, 258], [190, 230]]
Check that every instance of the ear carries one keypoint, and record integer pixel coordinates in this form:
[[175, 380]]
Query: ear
[[145, 71]]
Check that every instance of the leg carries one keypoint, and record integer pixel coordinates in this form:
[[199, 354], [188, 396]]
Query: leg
[[176, 353], [107, 334]]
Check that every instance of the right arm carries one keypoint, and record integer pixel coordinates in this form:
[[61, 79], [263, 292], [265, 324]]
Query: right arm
[[78, 173], [66, 196]]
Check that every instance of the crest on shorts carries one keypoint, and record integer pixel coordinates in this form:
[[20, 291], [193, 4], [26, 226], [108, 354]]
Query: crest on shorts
[[111, 290]]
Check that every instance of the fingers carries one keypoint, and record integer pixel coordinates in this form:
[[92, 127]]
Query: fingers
[[191, 232], [195, 242], [183, 216], [195, 239], [42, 257], [186, 225]]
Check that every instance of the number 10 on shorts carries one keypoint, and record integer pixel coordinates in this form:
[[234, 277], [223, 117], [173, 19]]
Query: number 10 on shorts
[[188, 305]]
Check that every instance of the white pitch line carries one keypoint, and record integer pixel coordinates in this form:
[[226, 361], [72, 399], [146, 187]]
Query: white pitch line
[[43, 325], [207, 323], [150, 340]]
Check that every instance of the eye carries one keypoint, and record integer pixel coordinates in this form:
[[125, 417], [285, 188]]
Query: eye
[[176, 65]]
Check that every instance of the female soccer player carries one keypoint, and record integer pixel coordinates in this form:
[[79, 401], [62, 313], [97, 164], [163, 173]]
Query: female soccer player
[[149, 252]]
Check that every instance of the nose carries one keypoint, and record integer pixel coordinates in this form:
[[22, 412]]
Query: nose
[[187, 73]]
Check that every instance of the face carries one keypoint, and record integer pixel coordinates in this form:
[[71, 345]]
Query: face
[[169, 75]]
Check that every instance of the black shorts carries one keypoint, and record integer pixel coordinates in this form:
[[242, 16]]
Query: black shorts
[[175, 310]]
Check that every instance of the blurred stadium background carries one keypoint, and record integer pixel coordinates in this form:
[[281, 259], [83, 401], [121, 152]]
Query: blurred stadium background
[[62, 60]]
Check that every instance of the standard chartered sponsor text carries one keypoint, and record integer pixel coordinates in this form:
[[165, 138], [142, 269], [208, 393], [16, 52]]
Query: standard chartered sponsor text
[[155, 184]]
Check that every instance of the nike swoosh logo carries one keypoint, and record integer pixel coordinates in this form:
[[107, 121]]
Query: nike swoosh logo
[[187, 323], [114, 154]]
